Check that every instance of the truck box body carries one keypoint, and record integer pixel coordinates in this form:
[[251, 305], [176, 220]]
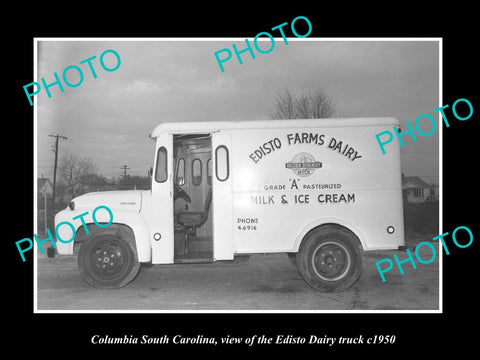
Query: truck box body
[[349, 182], [309, 180]]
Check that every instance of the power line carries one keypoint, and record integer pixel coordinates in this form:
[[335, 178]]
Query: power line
[[124, 167]]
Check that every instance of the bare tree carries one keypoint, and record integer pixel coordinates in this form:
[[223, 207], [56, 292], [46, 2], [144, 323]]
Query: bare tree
[[311, 104], [73, 169]]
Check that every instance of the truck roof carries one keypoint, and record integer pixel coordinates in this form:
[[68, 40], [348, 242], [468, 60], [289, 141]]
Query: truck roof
[[211, 126]]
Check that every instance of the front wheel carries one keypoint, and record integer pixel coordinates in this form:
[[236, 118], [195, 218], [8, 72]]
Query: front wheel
[[330, 259], [108, 262]]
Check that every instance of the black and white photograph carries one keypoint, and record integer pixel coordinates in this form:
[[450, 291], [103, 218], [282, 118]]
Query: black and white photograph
[[243, 189]]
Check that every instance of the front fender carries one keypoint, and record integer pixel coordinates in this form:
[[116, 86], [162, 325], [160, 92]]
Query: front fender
[[133, 220]]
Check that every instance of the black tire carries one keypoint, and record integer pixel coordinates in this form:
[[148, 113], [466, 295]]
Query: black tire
[[330, 258], [107, 262]]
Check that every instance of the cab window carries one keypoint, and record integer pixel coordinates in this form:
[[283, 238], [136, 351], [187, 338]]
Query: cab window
[[222, 163], [196, 172], [161, 172], [180, 172], [209, 171]]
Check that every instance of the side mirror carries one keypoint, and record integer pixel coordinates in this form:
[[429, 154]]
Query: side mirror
[[150, 173]]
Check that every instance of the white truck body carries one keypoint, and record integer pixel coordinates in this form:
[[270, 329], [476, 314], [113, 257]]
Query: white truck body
[[271, 181]]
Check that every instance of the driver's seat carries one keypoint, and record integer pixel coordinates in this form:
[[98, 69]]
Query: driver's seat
[[194, 219]]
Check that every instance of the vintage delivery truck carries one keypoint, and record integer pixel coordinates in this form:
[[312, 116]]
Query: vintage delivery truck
[[318, 190]]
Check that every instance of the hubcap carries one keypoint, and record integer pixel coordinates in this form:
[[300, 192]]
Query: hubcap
[[331, 261], [109, 260]]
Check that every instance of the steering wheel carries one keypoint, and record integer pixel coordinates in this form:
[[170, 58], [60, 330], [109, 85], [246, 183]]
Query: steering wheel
[[179, 192]]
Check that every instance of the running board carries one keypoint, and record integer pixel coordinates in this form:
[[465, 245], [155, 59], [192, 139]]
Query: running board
[[193, 261]]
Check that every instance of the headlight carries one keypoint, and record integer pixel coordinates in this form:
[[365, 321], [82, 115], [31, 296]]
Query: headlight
[[71, 205]]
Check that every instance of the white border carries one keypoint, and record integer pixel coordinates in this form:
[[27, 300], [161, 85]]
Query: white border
[[380, 39], [35, 181]]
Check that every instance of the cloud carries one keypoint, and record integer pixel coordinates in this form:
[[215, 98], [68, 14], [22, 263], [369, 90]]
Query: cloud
[[138, 88], [221, 85]]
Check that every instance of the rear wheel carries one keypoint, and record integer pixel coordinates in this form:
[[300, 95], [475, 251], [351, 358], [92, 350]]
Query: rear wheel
[[330, 258], [107, 261]]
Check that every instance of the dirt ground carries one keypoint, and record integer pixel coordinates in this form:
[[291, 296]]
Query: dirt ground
[[263, 282]]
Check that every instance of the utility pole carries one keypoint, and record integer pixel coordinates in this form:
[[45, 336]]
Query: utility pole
[[124, 167], [55, 167]]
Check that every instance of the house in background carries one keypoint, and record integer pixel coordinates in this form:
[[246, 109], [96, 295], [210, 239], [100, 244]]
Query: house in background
[[44, 191], [416, 190], [44, 186], [63, 195], [107, 188]]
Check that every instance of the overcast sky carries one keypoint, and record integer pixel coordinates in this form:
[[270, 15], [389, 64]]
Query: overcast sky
[[109, 118]]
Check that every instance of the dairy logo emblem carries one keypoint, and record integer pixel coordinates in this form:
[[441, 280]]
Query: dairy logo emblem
[[303, 164]]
